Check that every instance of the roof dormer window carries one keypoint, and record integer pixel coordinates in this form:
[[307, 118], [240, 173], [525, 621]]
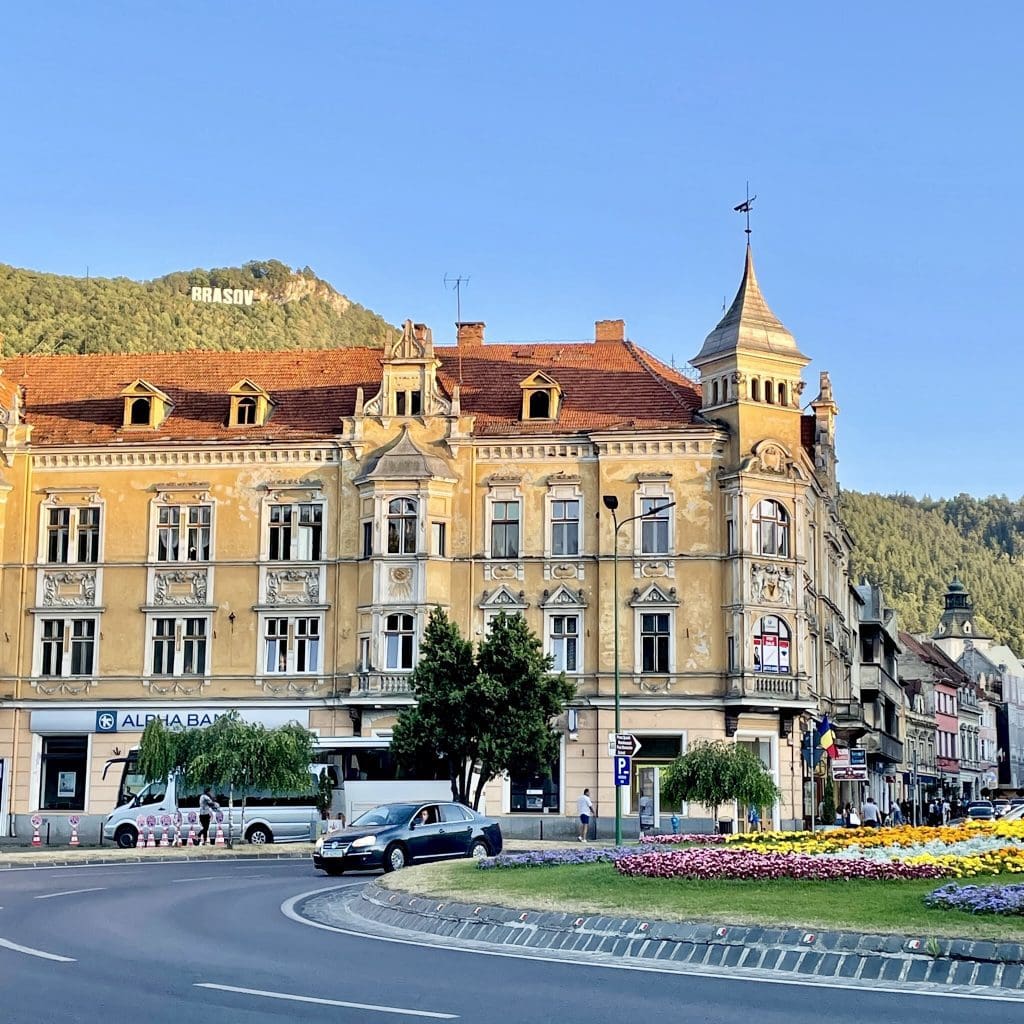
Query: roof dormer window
[[145, 406], [541, 397], [250, 405]]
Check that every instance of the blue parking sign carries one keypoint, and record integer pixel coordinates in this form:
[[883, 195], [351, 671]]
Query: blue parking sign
[[621, 763]]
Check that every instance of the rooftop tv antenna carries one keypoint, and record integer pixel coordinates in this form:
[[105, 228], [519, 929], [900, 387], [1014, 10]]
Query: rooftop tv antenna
[[745, 208], [456, 283]]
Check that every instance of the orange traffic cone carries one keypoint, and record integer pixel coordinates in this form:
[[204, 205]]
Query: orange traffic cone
[[73, 821], [219, 841], [36, 823], [151, 839]]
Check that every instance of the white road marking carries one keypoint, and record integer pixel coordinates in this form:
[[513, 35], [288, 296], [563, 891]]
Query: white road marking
[[70, 892], [326, 1002], [42, 954], [201, 878], [288, 909]]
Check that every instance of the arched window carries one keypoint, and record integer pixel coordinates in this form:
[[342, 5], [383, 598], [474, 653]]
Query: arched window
[[714, 392], [402, 522], [769, 392], [399, 641], [725, 389], [771, 645], [771, 528], [140, 412], [755, 390], [540, 405], [246, 412], [782, 395]]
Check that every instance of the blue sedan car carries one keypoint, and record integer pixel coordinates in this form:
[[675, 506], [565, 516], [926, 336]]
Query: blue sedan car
[[391, 836]]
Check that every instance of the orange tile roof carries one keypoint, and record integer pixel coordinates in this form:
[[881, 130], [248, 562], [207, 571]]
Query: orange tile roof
[[605, 385]]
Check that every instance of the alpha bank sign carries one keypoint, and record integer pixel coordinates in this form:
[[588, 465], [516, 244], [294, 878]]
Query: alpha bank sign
[[134, 720], [223, 296]]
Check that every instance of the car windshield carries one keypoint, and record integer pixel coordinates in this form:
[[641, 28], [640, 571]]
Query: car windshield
[[385, 814]]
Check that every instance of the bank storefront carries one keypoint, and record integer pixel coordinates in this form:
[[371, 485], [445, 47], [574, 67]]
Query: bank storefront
[[55, 761]]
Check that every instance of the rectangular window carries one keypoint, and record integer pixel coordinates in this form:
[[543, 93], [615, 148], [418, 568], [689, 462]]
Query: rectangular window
[[193, 653], [364, 654], [730, 536], [73, 535], [505, 529], [565, 636], [655, 634], [730, 646], [367, 540], [292, 645], [296, 533], [183, 533], [163, 647], [63, 773], [399, 642], [67, 647], [439, 531], [654, 529], [565, 527]]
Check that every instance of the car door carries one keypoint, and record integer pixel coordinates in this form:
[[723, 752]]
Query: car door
[[425, 838], [456, 830]]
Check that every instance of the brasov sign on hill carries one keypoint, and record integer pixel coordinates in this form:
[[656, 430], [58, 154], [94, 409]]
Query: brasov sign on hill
[[225, 296]]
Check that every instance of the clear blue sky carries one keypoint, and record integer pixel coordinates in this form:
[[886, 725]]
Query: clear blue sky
[[578, 161]]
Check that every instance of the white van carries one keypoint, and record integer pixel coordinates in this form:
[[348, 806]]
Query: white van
[[290, 817]]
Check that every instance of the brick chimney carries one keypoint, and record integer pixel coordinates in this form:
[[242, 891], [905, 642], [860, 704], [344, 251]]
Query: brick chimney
[[610, 330], [470, 335]]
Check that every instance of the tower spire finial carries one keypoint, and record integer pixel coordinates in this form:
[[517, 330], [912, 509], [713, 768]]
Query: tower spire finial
[[745, 208]]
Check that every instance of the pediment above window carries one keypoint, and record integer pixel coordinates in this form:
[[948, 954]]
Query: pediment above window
[[563, 597], [542, 397], [653, 596], [504, 600]]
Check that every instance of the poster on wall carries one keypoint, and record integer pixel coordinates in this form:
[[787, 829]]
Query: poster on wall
[[784, 656], [757, 654], [66, 784], [769, 654]]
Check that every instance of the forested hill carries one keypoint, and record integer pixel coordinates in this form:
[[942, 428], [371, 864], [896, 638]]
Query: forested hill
[[277, 308], [914, 547]]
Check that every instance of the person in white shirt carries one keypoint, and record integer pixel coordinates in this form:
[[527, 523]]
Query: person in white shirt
[[869, 813], [585, 809]]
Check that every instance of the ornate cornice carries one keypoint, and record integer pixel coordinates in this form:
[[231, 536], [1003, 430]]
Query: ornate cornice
[[106, 458]]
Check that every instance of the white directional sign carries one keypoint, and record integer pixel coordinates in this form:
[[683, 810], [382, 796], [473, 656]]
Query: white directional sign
[[622, 744]]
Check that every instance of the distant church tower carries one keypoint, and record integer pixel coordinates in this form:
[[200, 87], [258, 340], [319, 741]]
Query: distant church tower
[[957, 627]]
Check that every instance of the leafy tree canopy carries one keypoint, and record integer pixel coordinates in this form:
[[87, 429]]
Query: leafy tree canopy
[[483, 715], [714, 773], [54, 314]]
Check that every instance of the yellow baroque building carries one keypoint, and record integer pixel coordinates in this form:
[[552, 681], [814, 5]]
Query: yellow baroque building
[[187, 533]]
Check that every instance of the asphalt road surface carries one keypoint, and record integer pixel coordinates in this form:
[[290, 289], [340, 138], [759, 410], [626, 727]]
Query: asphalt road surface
[[198, 942]]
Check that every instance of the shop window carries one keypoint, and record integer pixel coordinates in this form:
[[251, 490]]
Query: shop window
[[536, 792], [63, 773], [771, 645]]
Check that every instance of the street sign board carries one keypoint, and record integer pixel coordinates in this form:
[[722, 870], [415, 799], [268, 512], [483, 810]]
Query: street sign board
[[621, 763], [623, 743], [850, 765]]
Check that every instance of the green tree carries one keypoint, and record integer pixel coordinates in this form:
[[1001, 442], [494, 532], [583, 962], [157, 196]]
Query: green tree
[[828, 802], [229, 754], [486, 715], [714, 773]]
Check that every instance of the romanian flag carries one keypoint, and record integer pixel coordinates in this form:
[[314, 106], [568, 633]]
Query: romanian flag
[[827, 737]]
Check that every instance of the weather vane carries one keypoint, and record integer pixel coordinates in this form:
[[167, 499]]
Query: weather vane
[[745, 207]]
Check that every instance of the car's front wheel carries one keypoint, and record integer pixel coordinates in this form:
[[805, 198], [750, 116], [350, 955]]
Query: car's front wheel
[[395, 858], [126, 837], [259, 835], [479, 850]]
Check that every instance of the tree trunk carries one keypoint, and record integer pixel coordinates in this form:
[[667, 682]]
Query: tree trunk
[[480, 783], [231, 809]]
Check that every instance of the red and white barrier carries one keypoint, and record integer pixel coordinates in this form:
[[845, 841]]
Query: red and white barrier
[[73, 822], [37, 824], [219, 841]]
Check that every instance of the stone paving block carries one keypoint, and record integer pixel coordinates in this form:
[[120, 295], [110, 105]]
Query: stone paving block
[[753, 936], [650, 950], [872, 967], [828, 940], [620, 947], [986, 974], [733, 955], [792, 937], [872, 943], [752, 957], [938, 971], [1008, 952], [963, 973], [790, 958], [716, 954], [683, 950], [893, 944], [848, 940], [771, 958], [628, 926], [983, 950], [849, 965], [892, 968], [829, 965], [810, 963], [917, 970], [960, 948], [771, 936], [1012, 974]]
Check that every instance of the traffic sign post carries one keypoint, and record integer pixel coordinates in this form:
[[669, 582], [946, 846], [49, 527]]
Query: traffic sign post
[[623, 743], [621, 763]]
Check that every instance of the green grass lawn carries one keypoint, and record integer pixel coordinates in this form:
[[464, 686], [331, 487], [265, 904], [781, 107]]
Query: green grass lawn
[[864, 906]]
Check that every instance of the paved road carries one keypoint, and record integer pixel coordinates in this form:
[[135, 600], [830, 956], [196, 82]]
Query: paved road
[[160, 943]]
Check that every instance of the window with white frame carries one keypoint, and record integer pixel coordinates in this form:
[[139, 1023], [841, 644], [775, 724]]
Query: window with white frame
[[72, 534], [403, 526], [656, 641], [179, 646], [655, 526], [771, 528], [399, 641], [295, 532], [291, 644], [67, 647], [565, 526], [183, 533], [505, 522], [771, 645], [564, 642]]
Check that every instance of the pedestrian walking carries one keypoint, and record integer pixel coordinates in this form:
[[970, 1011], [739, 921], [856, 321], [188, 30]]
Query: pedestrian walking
[[585, 809], [754, 818], [207, 807], [896, 815], [870, 814]]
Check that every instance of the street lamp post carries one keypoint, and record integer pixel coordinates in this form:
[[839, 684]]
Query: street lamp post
[[612, 503]]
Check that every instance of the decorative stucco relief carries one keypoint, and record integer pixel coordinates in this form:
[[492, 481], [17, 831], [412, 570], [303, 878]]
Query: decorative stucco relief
[[179, 587], [71, 589], [773, 584], [293, 586], [651, 570]]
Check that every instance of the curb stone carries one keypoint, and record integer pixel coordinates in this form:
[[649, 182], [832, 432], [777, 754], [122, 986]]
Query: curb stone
[[147, 859], [849, 956]]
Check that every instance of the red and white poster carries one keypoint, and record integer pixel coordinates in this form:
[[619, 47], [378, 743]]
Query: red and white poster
[[770, 654], [784, 656]]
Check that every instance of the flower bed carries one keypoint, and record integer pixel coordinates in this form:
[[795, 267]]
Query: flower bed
[[754, 865], [693, 839], [978, 899], [557, 858]]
